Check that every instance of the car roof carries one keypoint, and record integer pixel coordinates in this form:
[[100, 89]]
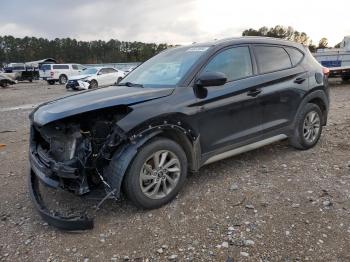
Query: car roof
[[60, 64], [102, 67], [248, 40]]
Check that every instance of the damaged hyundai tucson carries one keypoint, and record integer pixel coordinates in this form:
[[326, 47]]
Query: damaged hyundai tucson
[[182, 109]]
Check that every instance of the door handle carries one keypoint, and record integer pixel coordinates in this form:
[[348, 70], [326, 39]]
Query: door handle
[[299, 80], [254, 92]]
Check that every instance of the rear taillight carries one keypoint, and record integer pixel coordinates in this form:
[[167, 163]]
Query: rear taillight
[[51, 73], [325, 71]]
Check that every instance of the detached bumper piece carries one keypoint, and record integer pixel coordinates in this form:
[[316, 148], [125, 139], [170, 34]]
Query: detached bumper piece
[[68, 223]]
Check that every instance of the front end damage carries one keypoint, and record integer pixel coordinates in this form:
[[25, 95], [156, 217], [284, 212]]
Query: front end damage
[[74, 154], [71, 154]]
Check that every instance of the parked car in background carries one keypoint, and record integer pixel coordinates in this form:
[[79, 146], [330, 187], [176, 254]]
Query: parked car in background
[[7, 79], [23, 71], [53, 73], [95, 77], [213, 100]]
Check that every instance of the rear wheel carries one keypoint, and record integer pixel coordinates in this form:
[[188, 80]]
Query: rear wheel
[[157, 174], [308, 128], [93, 84], [51, 82], [63, 79]]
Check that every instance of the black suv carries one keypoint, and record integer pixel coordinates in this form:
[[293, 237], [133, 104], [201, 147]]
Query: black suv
[[182, 109]]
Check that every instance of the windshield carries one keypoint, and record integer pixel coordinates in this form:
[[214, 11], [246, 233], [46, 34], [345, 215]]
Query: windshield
[[89, 71], [165, 69]]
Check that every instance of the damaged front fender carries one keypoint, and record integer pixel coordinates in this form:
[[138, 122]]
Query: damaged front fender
[[121, 160]]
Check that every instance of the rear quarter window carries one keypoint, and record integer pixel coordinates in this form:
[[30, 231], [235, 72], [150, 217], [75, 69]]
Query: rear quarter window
[[60, 67], [272, 58], [295, 55]]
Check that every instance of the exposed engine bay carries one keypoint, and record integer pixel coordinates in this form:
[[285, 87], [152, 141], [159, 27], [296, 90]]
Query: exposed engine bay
[[76, 147], [71, 154]]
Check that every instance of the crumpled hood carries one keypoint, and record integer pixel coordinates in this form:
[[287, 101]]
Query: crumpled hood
[[93, 100], [78, 77]]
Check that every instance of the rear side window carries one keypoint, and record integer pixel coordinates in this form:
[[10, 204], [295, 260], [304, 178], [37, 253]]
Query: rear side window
[[75, 67], [60, 67], [295, 55], [235, 63], [272, 58], [111, 70], [103, 71]]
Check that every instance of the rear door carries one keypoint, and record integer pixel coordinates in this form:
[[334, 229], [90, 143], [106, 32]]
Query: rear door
[[282, 83], [102, 77], [112, 76], [59, 70]]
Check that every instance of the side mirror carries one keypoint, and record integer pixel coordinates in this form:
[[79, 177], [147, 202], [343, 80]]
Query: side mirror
[[207, 79]]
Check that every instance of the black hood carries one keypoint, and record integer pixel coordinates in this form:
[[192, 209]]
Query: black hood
[[93, 100]]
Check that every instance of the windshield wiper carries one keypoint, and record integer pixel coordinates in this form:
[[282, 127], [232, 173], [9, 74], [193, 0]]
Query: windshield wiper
[[129, 84]]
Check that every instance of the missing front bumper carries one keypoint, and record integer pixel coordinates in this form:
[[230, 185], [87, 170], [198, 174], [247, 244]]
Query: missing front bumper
[[68, 223]]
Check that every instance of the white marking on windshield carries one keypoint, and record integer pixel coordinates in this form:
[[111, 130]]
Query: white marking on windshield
[[198, 49]]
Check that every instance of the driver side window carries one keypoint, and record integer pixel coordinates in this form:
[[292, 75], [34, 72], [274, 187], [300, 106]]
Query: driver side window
[[234, 62]]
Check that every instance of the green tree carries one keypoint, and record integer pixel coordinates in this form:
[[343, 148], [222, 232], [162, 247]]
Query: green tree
[[323, 43], [71, 50], [279, 31]]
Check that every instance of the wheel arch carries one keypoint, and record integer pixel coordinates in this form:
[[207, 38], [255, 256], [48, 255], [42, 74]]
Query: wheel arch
[[319, 98], [63, 74], [123, 156]]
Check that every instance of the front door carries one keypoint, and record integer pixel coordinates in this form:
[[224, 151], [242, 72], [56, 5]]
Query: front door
[[230, 114]]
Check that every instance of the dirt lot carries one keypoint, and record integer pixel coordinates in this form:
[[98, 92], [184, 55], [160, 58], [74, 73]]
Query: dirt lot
[[271, 204]]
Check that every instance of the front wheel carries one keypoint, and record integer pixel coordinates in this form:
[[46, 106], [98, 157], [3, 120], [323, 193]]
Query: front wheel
[[308, 127], [93, 84], [157, 174], [51, 82]]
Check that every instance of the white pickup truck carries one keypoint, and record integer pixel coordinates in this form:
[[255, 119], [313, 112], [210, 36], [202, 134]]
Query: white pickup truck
[[337, 60], [59, 72]]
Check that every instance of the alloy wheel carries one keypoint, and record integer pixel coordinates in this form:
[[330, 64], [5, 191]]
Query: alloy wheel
[[160, 174], [311, 127]]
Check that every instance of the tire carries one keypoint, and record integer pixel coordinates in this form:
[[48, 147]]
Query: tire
[[134, 187], [4, 84], [93, 84], [63, 79], [51, 82], [299, 139]]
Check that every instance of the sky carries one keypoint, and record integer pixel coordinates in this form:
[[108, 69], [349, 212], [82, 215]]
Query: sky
[[171, 21]]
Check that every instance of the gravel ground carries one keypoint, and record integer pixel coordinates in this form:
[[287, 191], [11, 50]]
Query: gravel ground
[[271, 204]]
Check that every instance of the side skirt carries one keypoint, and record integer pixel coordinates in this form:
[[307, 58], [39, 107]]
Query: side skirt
[[245, 148]]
